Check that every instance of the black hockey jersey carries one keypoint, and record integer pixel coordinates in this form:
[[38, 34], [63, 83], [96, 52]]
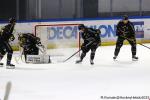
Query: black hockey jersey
[[126, 30], [6, 33], [28, 40], [91, 34]]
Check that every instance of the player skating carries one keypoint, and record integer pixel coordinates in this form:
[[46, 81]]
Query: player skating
[[91, 39], [5, 37], [125, 31]]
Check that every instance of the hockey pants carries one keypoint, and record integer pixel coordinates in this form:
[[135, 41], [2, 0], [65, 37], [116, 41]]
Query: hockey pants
[[119, 44]]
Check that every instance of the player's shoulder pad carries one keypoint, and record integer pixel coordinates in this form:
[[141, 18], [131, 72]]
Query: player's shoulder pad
[[24, 34], [130, 22], [98, 31], [5, 27], [120, 22], [8, 25], [92, 30]]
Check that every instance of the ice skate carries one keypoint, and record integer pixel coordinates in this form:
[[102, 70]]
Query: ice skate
[[78, 61], [114, 58], [1, 64], [134, 58], [91, 61], [10, 66]]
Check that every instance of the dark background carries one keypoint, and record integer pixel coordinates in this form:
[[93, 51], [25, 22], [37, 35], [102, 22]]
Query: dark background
[[58, 9]]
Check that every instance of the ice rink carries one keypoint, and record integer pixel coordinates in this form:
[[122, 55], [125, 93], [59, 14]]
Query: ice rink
[[70, 81]]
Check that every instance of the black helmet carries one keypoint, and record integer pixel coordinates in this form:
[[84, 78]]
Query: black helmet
[[125, 17], [11, 20], [81, 26]]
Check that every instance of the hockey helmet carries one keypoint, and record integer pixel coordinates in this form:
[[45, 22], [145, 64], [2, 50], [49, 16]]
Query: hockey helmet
[[11, 20], [81, 26], [125, 17]]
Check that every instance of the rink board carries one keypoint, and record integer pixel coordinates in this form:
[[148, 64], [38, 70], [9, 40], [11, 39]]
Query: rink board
[[60, 33]]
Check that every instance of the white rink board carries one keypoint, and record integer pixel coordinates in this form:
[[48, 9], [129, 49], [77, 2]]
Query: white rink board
[[107, 28]]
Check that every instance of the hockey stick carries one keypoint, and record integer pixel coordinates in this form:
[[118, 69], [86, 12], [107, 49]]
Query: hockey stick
[[144, 45], [79, 51], [72, 55], [137, 43], [7, 91]]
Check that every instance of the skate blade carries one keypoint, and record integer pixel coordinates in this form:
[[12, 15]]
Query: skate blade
[[8, 67], [114, 59], [78, 62], [92, 63], [134, 59]]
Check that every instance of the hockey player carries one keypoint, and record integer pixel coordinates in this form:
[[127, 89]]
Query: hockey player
[[125, 31], [29, 43], [5, 37], [91, 39]]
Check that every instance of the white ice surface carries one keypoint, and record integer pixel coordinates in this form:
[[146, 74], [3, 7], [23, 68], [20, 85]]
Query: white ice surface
[[70, 81]]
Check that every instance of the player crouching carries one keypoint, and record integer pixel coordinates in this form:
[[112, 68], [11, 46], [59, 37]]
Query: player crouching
[[31, 46], [91, 39]]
